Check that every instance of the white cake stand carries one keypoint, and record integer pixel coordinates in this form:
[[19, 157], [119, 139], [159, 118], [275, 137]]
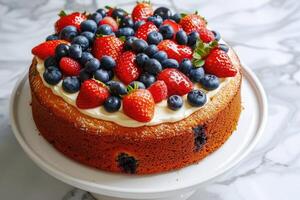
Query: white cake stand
[[175, 185]]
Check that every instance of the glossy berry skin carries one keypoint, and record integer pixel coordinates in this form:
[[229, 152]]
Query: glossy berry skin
[[181, 37], [46, 48], [84, 75], [152, 66], [196, 74], [217, 35], [175, 102], [89, 35], [175, 51], [107, 45], [71, 84], [102, 12], [147, 79], [151, 50], [137, 85], [52, 37], [112, 104], [86, 56], [176, 17], [62, 50], [154, 38], [141, 58], [210, 82], [97, 17], [101, 75], [117, 88], [139, 45], [69, 66], [68, 33], [88, 25], [52, 75], [192, 38], [82, 41], [196, 98], [104, 29], [73, 19], [192, 22], [166, 31], [107, 63], [156, 19], [170, 63], [142, 11], [176, 27], [144, 30], [163, 12], [75, 51], [224, 47], [128, 42], [185, 66], [138, 24], [92, 65], [126, 31], [111, 22], [118, 13], [160, 56], [126, 22], [159, 91], [206, 35], [50, 61]]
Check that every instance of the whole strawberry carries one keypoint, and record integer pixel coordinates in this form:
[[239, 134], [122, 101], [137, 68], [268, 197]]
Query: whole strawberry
[[145, 29], [73, 19], [69, 67], [46, 49], [177, 82], [126, 68], [175, 51], [176, 27], [92, 94], [192, 22], [107, 45], [139, 105], [142, 11], [159, 91], [111, 22], [218, 63]]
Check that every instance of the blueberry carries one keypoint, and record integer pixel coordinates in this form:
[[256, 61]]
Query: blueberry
[[88, 25], [154, 37], [50, 61], [111, 74], [152, 66], [210, 82], [185, 66], [181, 37], [127, 163], [139, 45], [101, 75], [138, 24], [192, 38], [112, 104], [147, 79], [71, 84], [97, 17], [137, 85], [175, 102], [86, 56], [82, 41], [102, 12], [156, 19], [166, 31], [164, 12], [52, 75], [107, 62], [126, 22], [75, 51], [170, 63], [118, 13], [196, 98], [117, 88], [128, 42], [196, 74], [92, 65], [160, 56], [89, 35], [140, 59], [224, 47], [84, 75], [126, 31], [151, 50], [52, 37], [176, 17], [104, 29], [217, 35], [61, 50], [200, 137], [68, 33]]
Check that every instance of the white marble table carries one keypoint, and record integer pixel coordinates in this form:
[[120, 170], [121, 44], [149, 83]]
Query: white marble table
[[266, 35]]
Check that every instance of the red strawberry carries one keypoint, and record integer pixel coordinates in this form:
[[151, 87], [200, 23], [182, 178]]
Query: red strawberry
[[192, 22], [69, 67], [73, 19], [206, 35], [159, 91], [218, 63], [107, 45], [142, 11], [144, 30], [126, 68], [92, 94], [111, 22], [139, 105], [46, 49], [176, 27], [175, 51], [177, 82]]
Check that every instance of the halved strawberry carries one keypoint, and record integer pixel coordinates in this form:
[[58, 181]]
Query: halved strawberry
[[92, 94], [69, 67], [142, 11], [176, 27], [206, 35], [175, 51], [192, 22], [73, 19], [139, 105], [111, 22], [145, 29], [177, 82], [159, 91], [108, 45], [126, 68], [46, 49]]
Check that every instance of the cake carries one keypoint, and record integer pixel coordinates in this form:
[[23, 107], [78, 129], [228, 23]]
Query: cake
[[140, 93]]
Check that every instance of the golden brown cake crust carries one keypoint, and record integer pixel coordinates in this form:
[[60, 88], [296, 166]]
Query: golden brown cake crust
[[157, 148]]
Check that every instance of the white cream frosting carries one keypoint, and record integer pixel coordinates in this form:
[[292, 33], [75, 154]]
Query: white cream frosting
[[162, 112]]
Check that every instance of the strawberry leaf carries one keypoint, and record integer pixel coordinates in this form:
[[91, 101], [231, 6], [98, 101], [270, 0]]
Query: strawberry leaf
[[198, 63], [183, 15], [122, 38], [62, 13]]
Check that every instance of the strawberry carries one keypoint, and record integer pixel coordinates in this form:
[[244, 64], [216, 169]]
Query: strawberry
[[107, 45], [92, 94], [206, 35], [142, 11], [192, 22], [73, 19], [218, 63], [139, 105], [159, 91], [111, 22], [69, 67], [175, 51], [177, 82], [144, 30], [126, 68], [46, 49], [176, 27]]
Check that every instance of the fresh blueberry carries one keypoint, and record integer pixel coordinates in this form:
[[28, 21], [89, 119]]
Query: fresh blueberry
[[71, 84], [86, 56], [92, 65], [101, 75], [75, 51], [104, 29], [107, 62], [102, 12], [126, 22], [154, 37], [97, 17], [139, 45], [181, 37], [52, 75], [192, 38], [176, 17], [126, 31], [175, 102], [68, 33], [61, 50], [210, 82], [160, 56], [52, 37], [185, 66], [224, 47], [140, 59], [164, 12], [147, 79], [170, 63], [50, 61], [217, 35], [88, 25], [152, 66], [196, 98], [196, 74], [82, 41], [89, 35], [128, 42], [166, 31], [127, 163], [117, 88], [112, 104], [156, 19], [118, 13], [137, 85], [138, 24], [111, 74], [151, 50], [84, 75]]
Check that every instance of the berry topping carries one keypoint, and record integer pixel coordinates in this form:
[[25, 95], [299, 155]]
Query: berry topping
[[92, 65], [142, 11], [192, 38], [52, 75], [138, 24], [111, 22], [139, 45], [88, 25], [167, 31], [75, 51], [127, 163], [181, 37], [175, 102], [175, 51], [73, 19], [144, 30], [104, 29], [185, 66], [112, 104], [136, 85], [97, 17], [101, 11], [224, 47], [196, 98], [117, 88], [118, 13], [196, 74], [163, 12], [217, 35], [151, 50], [71, 84], [147, 79], [82, 41], [154, 37], [84, 75], [128, 43], [156, 19], [68, 33], [170, 63], [159, 91], [200, 137], [52, 37], [50, 61], [176, 17], [126, 32], [193, 22], [61, 50], [141, 58], [160, 56], [101, 75], [107, 63], [107, 45], [152, 66], [69, 67], [176, 27], [210, 82], [206, 35], [47, 48], [126, 22]]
